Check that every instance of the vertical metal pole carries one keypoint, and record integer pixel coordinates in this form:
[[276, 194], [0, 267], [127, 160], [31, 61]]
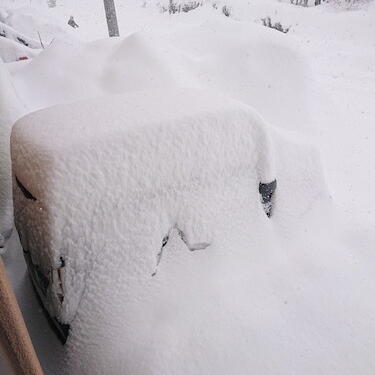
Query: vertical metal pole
[[110, 13]]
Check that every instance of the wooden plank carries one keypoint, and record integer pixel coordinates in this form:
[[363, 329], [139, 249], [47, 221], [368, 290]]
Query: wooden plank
[[14, 336]]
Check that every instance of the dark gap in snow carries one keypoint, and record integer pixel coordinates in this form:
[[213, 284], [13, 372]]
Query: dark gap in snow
[[72, 22], [41, 283], [62, 330], [160, 253], [181, 234], [266, 191], [191, 247], [22, 41], [25, 192], [60, 290], [4, 236]]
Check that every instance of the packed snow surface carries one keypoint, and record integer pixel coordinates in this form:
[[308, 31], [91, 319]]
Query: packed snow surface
[[289, 294]]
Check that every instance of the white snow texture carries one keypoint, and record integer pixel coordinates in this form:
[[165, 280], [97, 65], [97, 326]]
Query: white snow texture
[[132, 147]]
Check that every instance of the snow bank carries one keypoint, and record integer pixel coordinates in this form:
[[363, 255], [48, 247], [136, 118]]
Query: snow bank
[[10, 109], [95, 69]]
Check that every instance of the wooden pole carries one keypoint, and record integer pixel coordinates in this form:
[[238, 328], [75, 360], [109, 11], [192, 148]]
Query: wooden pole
[[110, 13], [13, 332]]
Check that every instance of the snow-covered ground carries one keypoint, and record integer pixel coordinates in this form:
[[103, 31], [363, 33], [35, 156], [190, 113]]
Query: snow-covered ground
[[301, 283]]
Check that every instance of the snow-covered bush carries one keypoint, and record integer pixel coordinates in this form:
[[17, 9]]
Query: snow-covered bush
[[274, 25], [348, 4], [226, 10], [300, 2], [191, 5], [340, 3], [173, 7], [306, 3]]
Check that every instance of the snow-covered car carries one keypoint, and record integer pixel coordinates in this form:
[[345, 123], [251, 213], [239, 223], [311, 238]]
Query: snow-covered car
[[125, 174]]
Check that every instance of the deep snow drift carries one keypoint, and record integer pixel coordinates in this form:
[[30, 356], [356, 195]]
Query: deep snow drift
[[290, 294]]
